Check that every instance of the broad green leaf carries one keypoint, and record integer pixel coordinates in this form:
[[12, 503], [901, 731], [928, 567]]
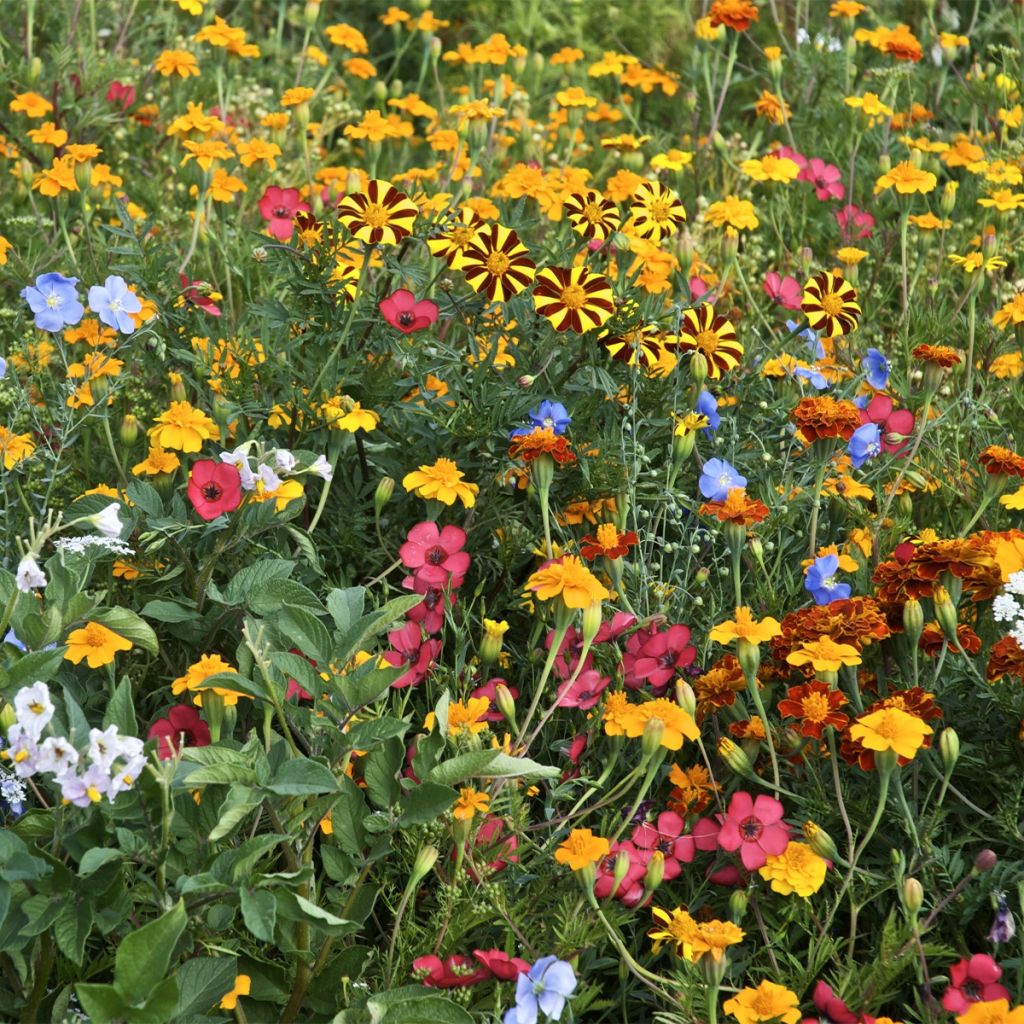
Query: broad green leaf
[[120, 710], [218, 775], [346, 606], [426, 802], [354, 639], [259, 912], [103, 1003], [145, 497], [301, 777], [168, 611], [128, 624], [298, 908], [202, 983], [363, 686], [302, 629], [380, 772], [240, 802], [267, 598], [144, 955], [366, 735], [72, 927], [254, 575], [35, 665], [415, 1005], [95, 858], [488, 764]]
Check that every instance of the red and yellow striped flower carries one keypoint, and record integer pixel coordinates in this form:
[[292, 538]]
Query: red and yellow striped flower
[[379, 216], [497, 264], [573, 299]]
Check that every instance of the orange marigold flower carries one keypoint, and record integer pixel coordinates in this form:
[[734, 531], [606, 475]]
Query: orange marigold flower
[[914, 701], [933, 639], [1006, 658], [821, 417], [735, 14], [938, 355], [817, 706], [608, 542], [570, 580], [856, 621], [542, 441], [737, 508], [1001, 461], [582, 849], [717, 688]]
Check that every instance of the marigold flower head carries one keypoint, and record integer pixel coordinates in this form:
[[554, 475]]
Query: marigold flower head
[[183, 428], [735, 14], [767, 1002], [608, 542], [737, 508], [819, 418], [798, 869], [469, 803], [816, 706], [907, 179], [194, 680], [97, 644], [732, 212], [570, 580], [744, 627], [443, 481], [824, 655], [541, 441], [582, 849], [678, 724], [938, 355], [891, 729]]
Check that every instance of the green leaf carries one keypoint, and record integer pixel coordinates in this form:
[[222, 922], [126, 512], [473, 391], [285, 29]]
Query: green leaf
[[352, 640], [95, 858], [259, 912], [255, 574], [146, 497], [295, 666], [381, 770], [363, 686], [240, 802], [301, 777], [300, 628], [217, 775], [71, 929], [415, 1005], [121, 710], [298, 908], [367, 735], [102, 1003], [202, 982], [169, 611], [269, 597], [159, 1006], [145, 954], [489, 764], [346, 606], [426, 802], [128, 624], [35, 665], [234, 866]]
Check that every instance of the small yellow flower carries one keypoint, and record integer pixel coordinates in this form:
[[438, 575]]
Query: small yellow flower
[[443, 481], [241, 988], [96, 644], [581, 849], [891, 729], [469, 803]]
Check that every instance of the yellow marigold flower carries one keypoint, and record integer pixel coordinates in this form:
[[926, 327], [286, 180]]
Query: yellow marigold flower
[[1003, 199], [194, 680], [678, 724], [798, 869], [342, 413], [157, 461], [467, 717], [929, 222], [205, 152], [871, 106], [574, 96], [824, 655], [1009, 365], [223, 36], [347, 37], [850, 255], [15, 448], [732, 212], [846, 9], [569, 579], [5, 248], [358, 67], [394, 16], [672, 160], [470, 802], [677, 928], [96, 644], [767, 1002], [744, 627], [258, 150], [772, 108], [906, 179], [891, 729], [771, 168], [59, 177], [443, 481], [287, 491], [224, 186], [991, 1011], [242, 981], [975, 261], [581, 849], [31, 104], [176, 62], [708, 32], [297, 95], [48, 134], [566, 55]]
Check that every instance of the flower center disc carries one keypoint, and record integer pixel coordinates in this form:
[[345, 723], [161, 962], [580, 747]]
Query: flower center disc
[[573, 297], [375, 215], [498, 263]]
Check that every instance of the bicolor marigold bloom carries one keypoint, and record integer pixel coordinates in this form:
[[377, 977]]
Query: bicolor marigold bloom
[[497, 264], [573, 299], [737, 508], [642, 343], [735, 14], [1001, 461], [938, 355], [453, 238], [816, 705], [714, 337], [830, 305], [379, 215], [656, 211], [821, 417], [608, 542], [542, 441], [591, 214]]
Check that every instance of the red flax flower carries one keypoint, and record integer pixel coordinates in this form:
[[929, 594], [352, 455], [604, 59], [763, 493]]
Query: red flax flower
[[401, 310], [379, 216], [712, 336], [895, 425], [821, 417], [665, 836], [755, 828], [830, 305], [972, 981], [497, 264], [435, 555], [214, 488], [573, 298], [181, 728], [656, 658], [816, 705], [542, 441], [278, 207]]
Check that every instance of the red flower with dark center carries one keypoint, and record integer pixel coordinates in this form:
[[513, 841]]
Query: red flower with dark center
[[489, 690], [409, 648], [401, 310], [754, 828], [429, 613], [197, 292], [214, 488], [278, 207], [585, 690], [456, 971], [181, 728], [665, 836], [435, 555], [972, 981], [896, 425], [656, 658], [500, 964], [630, 890]]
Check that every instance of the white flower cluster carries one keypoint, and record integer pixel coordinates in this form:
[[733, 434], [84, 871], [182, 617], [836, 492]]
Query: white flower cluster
[[1009, 606], [108, 766], [79, 545], [266, 468]]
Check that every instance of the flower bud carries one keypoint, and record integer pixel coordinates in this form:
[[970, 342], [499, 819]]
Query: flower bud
[[738, 900], [985, 861], [222, 410], [506, 704], [913, 620], [425, 860], [885, 163], [905, 504], [129, 429], [686, 698], [591, 621], [949, 748], [698, 368], [700, 577], [310, 13], [820, 841], [490, 645], [734, 757], [913, 895], [654, 730], [7, 717], [178, 393], [749, 656], [622, 866], [385, 488], [526, 381], [655, 871], [945, 613]]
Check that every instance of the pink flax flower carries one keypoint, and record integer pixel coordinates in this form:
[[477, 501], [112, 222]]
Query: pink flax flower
[[435, 555], [278, 207], [401, 310], [854, 223], [755, 828], [630, 890], [585, 690], [826, 179], [657, 658], [665, 835], [783, 291], [973, 981], [408, 648], [896, 425]]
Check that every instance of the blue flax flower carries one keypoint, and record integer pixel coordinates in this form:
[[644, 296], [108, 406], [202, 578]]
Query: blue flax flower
[[821, 580], [547, 415], [543, 989], [718, 479], [814, 377], [876, 369], [113, 303], [54, 300], [810, 337], [707, 405], [865, 443]]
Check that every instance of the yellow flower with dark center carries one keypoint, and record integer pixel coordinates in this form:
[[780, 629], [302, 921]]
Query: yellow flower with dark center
[[573, 299], [767, 1002], [824, 655], [744, 627], [906, 178], [569, 580], [798, 869], [15, 448], [183, 428], [96, 644], [891, 729], [656, 211], [830, 304], [379, 215], [443, 481], [497, 264], [581, 849], [591, 214], [714, 337], [469, 803]]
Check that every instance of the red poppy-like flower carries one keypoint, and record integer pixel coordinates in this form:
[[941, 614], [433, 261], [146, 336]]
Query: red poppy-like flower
[[826, 179], [665, 836], [435, 555], [408, 648], [429, 613], [816, 705], [630, 890], [608, 541], [831, 1008], [896, 425], [973, 981], [121, 94], [784, 291], [585, 690], [755, 828], [490, 691], [401, 310], [494, 847], [619, 623], [457, 971], [854, 223], [181, 728], [198, 292], [657, 658], [214, 488], [500, 964], [278, 207]]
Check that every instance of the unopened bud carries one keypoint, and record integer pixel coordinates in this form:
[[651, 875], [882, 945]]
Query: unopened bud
[[700, 577], [222, 410], [945, 613], [622, 866], [734, 757], [7, 717], [985, 861], [655, 871], [885, 163], [178, 392], [526, 381], [654, 730], [913, 620], [493, 638], [948, 200], [699, 368], [506, 704], [129, 429], [310, 12], [913, 895], [905, 504], [738, 900], [591, 621], [949, 748], [820, 841], [749, 656], [686, 698], [385, 488], [425, 860]]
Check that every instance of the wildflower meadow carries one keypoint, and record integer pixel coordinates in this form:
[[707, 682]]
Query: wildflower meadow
[[513, 511]]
